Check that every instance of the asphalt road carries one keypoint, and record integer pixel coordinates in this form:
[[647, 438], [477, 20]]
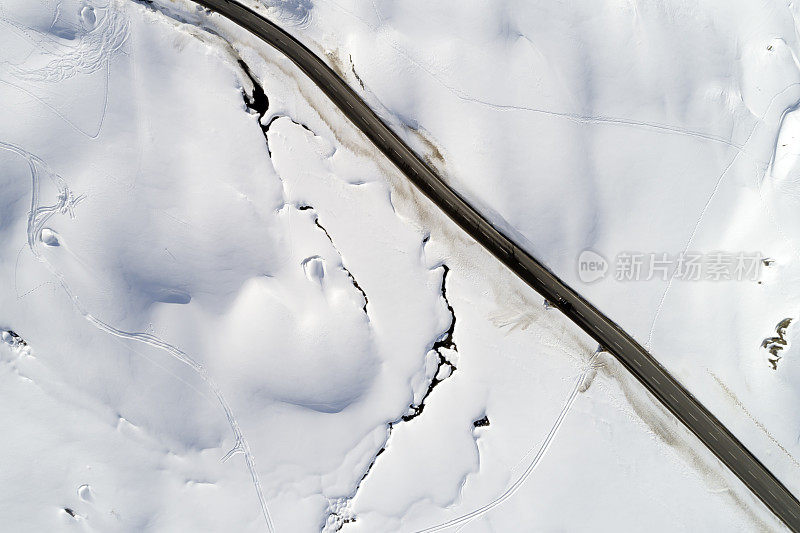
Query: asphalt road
[[630, 353]]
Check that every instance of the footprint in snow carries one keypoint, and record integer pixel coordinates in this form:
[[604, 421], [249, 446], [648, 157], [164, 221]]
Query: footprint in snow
[[314, 267]]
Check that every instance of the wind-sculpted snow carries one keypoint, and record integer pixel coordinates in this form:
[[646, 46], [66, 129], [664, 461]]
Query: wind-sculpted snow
[[164, 268], [294, 12], [580, 383], [624, 130], [223, 310], [39, 216], [80, 40], [62, 57]]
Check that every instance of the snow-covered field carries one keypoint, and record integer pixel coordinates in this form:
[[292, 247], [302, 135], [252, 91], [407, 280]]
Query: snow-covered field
[[230, 313], [622, 128]]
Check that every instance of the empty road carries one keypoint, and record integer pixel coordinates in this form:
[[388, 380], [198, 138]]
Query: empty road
[[629, 352]]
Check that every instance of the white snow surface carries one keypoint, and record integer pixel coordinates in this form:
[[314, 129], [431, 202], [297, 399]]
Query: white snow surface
[[214, 331], [615, 126]]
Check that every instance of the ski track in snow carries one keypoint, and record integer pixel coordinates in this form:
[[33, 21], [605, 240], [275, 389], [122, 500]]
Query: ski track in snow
[[465, 519], [92, 52], [712, 195], [578, 118], [37, 218]]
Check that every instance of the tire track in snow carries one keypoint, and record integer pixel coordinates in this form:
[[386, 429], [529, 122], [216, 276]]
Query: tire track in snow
[[578, 118], [718, 183], [92, 52], [37, 218], [464, 519]]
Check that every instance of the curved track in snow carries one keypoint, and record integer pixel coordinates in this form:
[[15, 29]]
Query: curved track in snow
[[65, 202], [666, 389]]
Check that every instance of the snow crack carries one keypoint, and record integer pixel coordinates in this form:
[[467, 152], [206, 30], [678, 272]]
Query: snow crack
[[339, 514], [441, 346], [481, 422], [265, 128], [257, 102], [347, 271], [12, 339]]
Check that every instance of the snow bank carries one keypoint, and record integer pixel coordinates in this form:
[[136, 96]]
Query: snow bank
[[248, 306], [617, 128]]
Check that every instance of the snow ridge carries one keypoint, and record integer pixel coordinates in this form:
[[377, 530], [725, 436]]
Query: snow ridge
[[37, 218]]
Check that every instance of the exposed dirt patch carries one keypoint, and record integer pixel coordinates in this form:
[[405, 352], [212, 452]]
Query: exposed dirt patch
[[774, 345], [670, 431], [432, 155]]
